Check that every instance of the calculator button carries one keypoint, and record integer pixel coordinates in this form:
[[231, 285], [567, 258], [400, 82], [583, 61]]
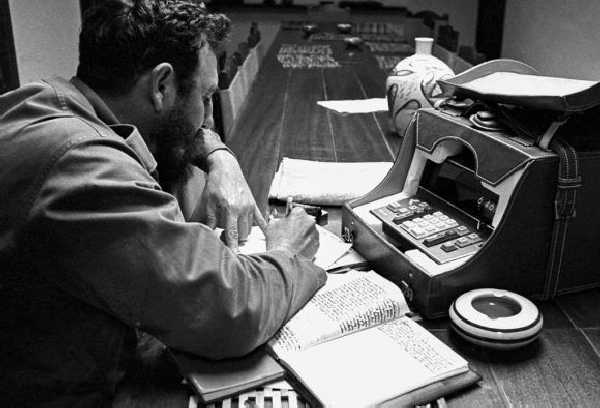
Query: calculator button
[[451, 223], [448, 247], [463, 242], [462, 230], [417, 232], [474, 238], [399, 218], [452, 233]]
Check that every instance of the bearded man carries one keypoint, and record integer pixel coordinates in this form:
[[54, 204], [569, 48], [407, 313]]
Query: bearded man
[[94, 249]]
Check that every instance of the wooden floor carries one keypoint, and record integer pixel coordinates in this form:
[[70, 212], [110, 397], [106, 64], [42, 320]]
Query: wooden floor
[[560, 369]]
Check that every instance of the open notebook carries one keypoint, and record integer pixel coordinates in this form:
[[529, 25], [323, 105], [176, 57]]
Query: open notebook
[[352, 345]]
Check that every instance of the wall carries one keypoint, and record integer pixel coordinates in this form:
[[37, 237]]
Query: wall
[[557, 37], [46, 35]]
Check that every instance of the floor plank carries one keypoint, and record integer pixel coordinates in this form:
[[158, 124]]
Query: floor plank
[[582, 308], [560, 369], [483, 394], [593, 336]]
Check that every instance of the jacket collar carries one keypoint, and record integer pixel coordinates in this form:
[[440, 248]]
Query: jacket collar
[[130, 133]]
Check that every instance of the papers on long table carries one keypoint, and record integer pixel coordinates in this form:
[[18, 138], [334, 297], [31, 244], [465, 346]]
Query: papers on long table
[[331, 248], [356, 105], [325, 183]]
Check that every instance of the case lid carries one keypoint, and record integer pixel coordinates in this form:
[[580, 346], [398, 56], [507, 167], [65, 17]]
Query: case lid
[[515, 83], [496, 155]]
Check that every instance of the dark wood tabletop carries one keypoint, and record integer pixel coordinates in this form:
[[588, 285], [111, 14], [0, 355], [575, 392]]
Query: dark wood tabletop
[[282, 119]]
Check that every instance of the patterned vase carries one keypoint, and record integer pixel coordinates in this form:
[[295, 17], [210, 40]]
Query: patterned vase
[[412, 84]]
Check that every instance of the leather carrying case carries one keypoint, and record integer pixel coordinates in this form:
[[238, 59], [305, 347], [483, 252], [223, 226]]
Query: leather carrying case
[[543, 236]]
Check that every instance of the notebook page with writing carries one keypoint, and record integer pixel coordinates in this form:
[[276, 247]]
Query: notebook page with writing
[[348, 303], [378, 365]]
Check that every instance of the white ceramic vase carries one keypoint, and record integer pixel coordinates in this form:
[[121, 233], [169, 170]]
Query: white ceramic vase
[[412, 84]]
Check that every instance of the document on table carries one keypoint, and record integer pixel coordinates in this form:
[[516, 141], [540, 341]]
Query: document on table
[[331, 248], [325, 183], [356, 105]]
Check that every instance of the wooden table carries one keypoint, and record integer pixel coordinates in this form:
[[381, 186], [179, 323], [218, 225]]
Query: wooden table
[[282, 118]]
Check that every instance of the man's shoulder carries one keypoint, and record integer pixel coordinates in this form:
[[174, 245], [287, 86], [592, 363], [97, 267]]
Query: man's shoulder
[[53, 103], [44, 121]]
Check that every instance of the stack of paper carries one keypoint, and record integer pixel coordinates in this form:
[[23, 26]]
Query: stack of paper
[[325, 183]]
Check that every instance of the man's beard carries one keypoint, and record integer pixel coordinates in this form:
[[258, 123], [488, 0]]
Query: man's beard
[[173, 148]]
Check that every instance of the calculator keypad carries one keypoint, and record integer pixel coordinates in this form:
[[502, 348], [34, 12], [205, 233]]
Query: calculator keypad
[[439, 234]]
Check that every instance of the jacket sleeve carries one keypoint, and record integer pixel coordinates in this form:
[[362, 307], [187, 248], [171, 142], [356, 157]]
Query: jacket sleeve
[[103, 230]]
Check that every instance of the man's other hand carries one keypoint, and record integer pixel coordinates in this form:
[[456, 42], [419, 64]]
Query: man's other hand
[[295, 232], [229, 203]]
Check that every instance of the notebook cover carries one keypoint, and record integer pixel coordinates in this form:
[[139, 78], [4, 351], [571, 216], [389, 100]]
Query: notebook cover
[[217, 379]]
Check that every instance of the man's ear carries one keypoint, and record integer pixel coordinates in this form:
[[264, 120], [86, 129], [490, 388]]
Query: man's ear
[[163, 86]]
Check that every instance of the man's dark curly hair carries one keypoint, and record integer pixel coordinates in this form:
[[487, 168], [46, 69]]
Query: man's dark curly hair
[[122, 39]]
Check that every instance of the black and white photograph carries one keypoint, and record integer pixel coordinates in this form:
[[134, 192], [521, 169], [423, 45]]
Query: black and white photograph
[[299, 203]]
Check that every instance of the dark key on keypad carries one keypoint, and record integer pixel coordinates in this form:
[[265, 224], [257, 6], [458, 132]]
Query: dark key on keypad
[[440, 237]]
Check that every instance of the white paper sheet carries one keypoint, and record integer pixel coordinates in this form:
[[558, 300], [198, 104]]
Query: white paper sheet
[[325, 183], [356, 105], [331, 248]]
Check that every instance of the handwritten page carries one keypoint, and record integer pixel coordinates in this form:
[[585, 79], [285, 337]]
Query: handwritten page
[[347, 303], [331, 247], [356, 105], [383, 363]]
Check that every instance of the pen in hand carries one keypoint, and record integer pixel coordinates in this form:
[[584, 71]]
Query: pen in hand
[[289, 204], [260, 220]]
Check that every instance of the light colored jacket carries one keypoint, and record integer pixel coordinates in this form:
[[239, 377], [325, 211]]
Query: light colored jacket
[[91, 248]]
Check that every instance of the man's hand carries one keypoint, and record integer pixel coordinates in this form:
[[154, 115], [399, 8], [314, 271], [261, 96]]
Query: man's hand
[[295, 232], [228, 200]]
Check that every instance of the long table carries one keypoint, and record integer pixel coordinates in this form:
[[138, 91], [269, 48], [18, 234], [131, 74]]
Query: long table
[[281, 119]]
